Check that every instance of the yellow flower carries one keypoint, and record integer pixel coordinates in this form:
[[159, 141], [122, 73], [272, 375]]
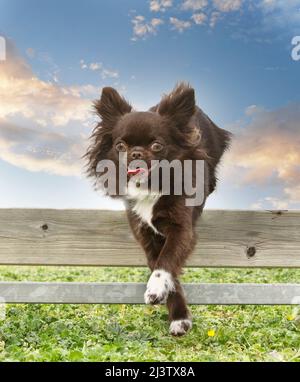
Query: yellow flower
[[211, 333], [290, 317]]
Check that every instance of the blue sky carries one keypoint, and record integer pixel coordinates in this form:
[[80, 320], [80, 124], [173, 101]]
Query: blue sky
[[237, 55]]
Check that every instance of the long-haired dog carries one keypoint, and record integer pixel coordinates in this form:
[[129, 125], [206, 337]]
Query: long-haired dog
[[163, 223]]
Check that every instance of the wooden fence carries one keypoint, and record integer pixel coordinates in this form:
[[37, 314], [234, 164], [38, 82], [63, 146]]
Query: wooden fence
[[102, 238]]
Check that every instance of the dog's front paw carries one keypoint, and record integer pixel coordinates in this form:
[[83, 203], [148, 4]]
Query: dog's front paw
[[159, 285], [180, 327]]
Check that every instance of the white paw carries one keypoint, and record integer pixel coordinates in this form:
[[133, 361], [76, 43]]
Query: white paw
[[180, 327], [159, 285]]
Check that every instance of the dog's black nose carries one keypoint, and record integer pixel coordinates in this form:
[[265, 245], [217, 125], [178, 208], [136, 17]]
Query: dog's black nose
[[137, 154]]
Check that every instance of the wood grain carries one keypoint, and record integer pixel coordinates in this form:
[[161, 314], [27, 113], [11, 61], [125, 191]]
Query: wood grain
[[94, 237], [132, 293]]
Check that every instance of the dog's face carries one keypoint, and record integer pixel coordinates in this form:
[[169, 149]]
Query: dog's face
[[144, 136], [167, 131]]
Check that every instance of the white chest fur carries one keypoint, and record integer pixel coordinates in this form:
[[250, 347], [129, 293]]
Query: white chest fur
[[144, 209], [142, 204]]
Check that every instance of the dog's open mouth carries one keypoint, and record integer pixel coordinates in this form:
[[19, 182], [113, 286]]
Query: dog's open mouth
[[137, 171], [140, 175]]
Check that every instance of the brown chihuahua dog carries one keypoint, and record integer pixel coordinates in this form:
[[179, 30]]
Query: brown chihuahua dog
[[163, 223]]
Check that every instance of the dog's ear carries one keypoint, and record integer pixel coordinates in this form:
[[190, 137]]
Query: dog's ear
[[179, 105], [111, 107]]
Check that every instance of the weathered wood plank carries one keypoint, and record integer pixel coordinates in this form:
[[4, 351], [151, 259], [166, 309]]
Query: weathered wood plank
[[91, 237], [132, 293]]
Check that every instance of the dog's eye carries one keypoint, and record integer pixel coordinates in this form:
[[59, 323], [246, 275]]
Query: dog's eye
[[121, 147], [156, 146]]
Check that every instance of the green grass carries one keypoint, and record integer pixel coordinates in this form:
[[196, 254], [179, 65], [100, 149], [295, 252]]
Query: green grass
[[140, 333]]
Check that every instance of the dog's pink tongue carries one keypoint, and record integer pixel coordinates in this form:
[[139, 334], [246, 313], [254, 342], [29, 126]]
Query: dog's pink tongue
[[135, 171]]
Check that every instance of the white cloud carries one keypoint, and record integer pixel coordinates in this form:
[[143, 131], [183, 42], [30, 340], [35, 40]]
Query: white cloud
[[270, 14], [30, 52], [227, 5], [22, 93], [180, 25], [214, 18], [37, 149], [155, 22], [43, 126], [283, 4], [160, 5], [199, 18], [272, 203], [194, 5], [95, 66], [142, 28], [106, 73], [281, 13], [83, 65], [201, 11], [293, 193], [266, 152], [269, 3], [99, 67], [276, 203]]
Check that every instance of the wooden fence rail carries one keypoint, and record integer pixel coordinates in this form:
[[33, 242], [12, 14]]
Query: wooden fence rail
[[98, 238]]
